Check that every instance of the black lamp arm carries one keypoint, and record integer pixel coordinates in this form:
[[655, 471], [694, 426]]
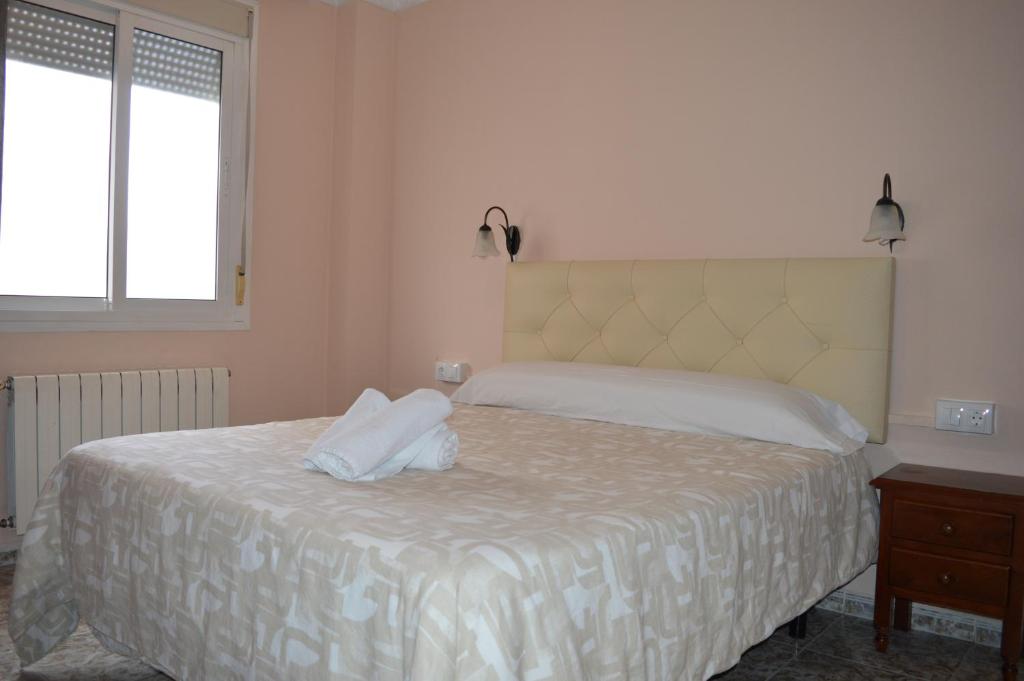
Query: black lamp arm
[[887, 199], [503, 213]]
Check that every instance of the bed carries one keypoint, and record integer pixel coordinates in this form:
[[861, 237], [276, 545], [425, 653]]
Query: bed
[[555, 549]]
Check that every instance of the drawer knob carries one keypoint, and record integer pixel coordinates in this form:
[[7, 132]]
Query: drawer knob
[[946, 578], [948, 529]]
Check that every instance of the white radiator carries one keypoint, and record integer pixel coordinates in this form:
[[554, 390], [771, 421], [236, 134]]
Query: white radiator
[[52, 414]]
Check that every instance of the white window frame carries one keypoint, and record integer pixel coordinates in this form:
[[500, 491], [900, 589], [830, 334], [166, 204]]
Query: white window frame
[[116, 312]]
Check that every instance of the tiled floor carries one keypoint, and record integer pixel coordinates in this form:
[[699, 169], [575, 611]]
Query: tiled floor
[[841, 648], [837, 648]]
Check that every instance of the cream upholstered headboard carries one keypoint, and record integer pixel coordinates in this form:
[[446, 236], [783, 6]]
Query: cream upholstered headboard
[[817, 323]]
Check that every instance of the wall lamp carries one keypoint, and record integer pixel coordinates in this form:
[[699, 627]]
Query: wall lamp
[[485, 246], [886, 218]]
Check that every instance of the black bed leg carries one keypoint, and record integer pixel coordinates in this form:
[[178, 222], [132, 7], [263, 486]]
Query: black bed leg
[[798, 626]]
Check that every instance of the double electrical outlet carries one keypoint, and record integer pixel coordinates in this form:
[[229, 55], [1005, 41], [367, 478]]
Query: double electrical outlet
[[965, 417], [451, 372]]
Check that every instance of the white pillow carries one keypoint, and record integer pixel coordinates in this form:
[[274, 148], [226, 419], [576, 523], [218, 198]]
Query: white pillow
[[683, 401]]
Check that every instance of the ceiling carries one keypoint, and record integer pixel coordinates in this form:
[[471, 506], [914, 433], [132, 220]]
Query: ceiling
[[393, 5]]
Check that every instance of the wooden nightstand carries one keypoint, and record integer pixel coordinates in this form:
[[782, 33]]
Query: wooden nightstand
[[954, 539]]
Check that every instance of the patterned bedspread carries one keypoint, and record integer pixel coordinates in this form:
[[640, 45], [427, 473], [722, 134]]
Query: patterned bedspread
[[555, 549]]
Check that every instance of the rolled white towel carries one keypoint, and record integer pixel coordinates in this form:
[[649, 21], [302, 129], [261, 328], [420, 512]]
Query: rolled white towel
[[360, 445], [369, 402], [438, 452], [435, 450]]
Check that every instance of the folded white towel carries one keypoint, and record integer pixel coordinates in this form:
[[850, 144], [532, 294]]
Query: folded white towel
[[376, 434], [369, 402]]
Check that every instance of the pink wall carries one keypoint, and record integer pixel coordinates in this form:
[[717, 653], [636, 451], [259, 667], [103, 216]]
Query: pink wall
[[277, 366], [623, 129], [360, 243]]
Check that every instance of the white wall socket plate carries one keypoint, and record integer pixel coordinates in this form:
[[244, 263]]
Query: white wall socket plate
[[451, 372], [965, 417]]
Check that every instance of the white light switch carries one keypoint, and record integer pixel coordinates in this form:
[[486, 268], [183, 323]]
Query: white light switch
[[450, 372], [965, 417]]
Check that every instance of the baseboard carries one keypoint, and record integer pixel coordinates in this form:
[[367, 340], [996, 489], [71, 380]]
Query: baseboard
[[10, 540], [981, 630]]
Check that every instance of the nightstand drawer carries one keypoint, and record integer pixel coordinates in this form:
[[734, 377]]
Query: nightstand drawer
[[964, 579], [973, 530]]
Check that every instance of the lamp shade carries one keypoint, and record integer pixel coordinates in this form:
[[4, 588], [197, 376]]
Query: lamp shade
[[886, 224], [886, 218], [485, 246]]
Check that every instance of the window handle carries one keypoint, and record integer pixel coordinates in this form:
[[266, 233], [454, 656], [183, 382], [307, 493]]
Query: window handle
[[239, 285]]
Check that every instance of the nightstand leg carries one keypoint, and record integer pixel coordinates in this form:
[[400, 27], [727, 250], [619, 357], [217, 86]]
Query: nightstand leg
[[883, 594], [1013, 628], [883, 617], [901, 616], [881, 638]]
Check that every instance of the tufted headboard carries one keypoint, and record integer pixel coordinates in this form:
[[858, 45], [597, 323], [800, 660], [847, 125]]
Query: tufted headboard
[[817, 323]]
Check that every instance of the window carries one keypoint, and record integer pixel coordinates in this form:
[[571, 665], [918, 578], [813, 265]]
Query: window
[[123, 187]]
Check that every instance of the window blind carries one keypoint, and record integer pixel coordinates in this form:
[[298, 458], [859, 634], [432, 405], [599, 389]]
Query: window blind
[[225, 15], [176, 66], [38, 35]]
